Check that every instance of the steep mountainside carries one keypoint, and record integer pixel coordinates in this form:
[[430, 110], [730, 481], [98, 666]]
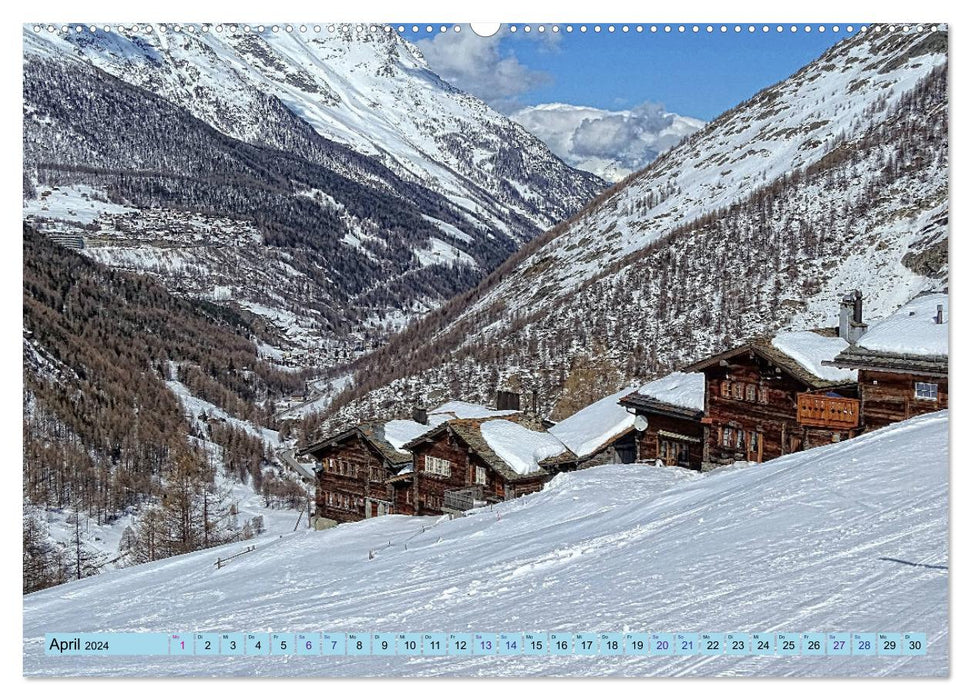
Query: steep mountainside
[[113, 365], [328, 181], [835, 178]]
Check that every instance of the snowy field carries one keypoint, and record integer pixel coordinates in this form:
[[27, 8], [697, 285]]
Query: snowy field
[[851, 537]]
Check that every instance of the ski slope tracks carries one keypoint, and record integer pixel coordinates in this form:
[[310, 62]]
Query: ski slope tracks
[[848, 537]]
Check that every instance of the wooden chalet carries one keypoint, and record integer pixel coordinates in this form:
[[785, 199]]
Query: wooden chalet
[[456, 468], [671, 430], [762, 401], [902, 363], [366, 471], [356, 475]]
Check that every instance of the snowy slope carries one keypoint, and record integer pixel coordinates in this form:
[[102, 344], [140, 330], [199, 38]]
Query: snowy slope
[[834, 179], [408, 189], [847, 537], [783, 128], [360, 85]]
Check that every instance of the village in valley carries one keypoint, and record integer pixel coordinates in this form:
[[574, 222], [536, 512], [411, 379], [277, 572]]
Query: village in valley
[[762, 399]]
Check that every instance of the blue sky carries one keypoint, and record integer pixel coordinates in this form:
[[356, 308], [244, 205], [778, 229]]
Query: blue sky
[[693, 74]]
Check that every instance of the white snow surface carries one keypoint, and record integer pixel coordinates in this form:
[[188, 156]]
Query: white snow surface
[[685, 389], [195, 407], [464, 409], [810, 349], [78, 203], [400, 432], [912, 329], [591, 427], [848, 537], [519, 447]]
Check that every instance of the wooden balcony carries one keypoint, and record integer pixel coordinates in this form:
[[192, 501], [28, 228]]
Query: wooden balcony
[[836, 412], [461, 500]]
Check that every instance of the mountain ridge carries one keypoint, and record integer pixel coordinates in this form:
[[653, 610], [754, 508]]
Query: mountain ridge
[[306, 96], [547, 311]]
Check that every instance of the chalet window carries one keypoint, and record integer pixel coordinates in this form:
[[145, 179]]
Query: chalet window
[[750, 392], [738, 390], [437, 465], [684, 453], [726, 388], [727, 437], [763, 394], [480, 475], [408, 496], [330, 464], [926, 391], [754, 441], [739, 439]]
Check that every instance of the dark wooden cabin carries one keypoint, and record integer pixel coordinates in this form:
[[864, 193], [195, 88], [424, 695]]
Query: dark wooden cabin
[[902, 363], [760, 403], [455, 470], [894, 387], [675, 435], [355, 476]]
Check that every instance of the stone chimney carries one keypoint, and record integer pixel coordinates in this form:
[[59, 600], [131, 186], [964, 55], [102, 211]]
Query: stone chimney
[[507, 401], [939, 319], [419, 414], [851, 317]]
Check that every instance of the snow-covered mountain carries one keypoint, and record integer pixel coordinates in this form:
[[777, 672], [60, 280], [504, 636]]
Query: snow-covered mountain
[[851, 537], [834, 179], [611, 144], [421, 175]]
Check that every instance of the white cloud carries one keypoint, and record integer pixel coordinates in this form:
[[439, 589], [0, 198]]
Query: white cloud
[[479, 66], [611, 144]]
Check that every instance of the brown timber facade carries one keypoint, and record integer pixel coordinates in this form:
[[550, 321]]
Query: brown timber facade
[[455, 469], [752, 406], [675, 435], [895, 387], [355, 476]]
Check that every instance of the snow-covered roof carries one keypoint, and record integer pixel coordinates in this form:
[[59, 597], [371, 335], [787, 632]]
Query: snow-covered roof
[[810, 350], [464, 409], [402, 431], [521, 448], [590, 428], [912, 329], [685, 389]]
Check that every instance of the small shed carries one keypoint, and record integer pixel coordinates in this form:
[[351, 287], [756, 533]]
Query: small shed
[[670, 429]]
